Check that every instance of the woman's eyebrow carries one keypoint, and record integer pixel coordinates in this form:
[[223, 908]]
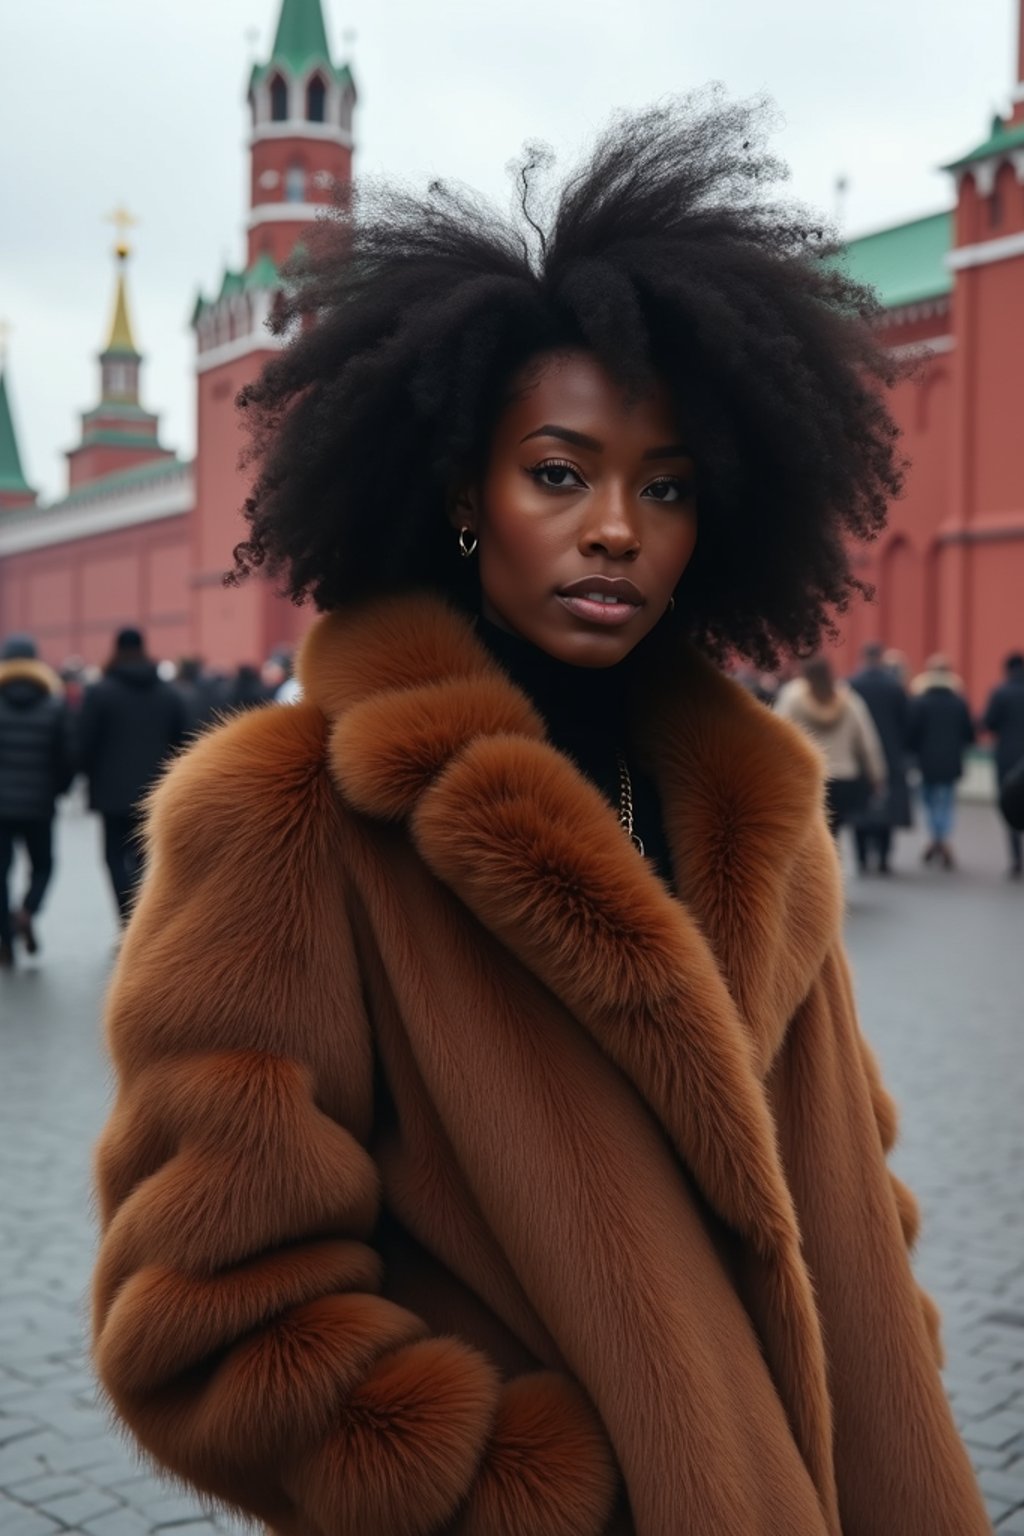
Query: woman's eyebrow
[[579, 439]]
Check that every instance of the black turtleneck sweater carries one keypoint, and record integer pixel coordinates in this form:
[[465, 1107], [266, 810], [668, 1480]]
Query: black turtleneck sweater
[[585, 710]]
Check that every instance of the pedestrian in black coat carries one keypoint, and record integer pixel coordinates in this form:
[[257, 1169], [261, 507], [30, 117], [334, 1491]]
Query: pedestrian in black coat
[[35, 767], [1004, 718], [889, 708], [130, 724], [202, 698], [941, 729]]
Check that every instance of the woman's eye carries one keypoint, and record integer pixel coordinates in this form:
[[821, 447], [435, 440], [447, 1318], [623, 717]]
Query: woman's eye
[[556, 475], [668, 489]]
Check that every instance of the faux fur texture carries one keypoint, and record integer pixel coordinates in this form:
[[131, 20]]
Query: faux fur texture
[[461, 1179]]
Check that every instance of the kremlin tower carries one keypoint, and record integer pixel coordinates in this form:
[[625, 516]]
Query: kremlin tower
[[117, 434], [300, 149]]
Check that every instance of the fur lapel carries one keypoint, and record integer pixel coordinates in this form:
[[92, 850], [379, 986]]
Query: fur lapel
[[689, 997]]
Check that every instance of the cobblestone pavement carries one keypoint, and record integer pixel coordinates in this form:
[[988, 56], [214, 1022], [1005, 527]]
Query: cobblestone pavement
[[938, 960]]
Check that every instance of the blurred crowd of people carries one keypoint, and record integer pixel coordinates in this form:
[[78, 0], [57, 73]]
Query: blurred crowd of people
[[117, 727], [881, 728]]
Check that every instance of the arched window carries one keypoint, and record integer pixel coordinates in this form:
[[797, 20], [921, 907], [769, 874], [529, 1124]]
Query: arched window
[[316, 100], [295, 185], [279, 99]]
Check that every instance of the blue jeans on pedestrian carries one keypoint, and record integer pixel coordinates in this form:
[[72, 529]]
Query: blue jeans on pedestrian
[[940, 809]]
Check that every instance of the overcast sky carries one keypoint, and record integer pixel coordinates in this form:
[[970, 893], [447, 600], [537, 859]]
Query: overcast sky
[[141, 102]]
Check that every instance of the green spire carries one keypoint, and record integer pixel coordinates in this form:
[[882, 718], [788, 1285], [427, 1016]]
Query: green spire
[[301, 44], [301, 36], [12, 477]]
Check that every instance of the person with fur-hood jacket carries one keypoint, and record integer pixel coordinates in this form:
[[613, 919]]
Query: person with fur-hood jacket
[[839, 723], [35, 767], [496, 1149]]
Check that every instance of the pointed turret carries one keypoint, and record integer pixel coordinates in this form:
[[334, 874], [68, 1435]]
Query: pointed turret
[[15, 490], [121, 341], [301, 37], [118, 433], [302, 104]]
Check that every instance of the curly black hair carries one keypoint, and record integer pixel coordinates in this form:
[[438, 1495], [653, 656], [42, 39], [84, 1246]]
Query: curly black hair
[[667, 256]]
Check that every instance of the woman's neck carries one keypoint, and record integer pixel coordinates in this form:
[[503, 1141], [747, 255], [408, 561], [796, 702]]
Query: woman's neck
[[573, 700]]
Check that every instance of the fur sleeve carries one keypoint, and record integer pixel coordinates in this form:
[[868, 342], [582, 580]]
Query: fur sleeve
[[237, 1327], [896, 1446]]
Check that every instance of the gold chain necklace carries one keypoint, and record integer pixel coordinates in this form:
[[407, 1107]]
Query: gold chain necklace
[[626, 804]]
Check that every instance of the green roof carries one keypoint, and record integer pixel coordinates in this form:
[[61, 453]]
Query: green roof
[[1000, 141], [11, 475], [263, 273], [906, 263], [231, 283], [123, 479], [301, 35], [301, 45]]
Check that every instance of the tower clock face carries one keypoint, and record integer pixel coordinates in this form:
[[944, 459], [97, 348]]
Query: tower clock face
[[269, 180]]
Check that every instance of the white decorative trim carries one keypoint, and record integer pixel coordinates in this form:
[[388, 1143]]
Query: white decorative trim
[[299, 128], [910, 314], [984, 173], [986, 251], [1018, 94], [932, 345], [231, 351], [120, 507], [286, 213]]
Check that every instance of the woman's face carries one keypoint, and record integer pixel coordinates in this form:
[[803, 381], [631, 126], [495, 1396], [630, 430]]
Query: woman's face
[[585, 514]]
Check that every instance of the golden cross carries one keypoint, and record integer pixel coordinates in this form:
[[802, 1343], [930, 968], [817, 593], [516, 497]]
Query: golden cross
[[123, 221]]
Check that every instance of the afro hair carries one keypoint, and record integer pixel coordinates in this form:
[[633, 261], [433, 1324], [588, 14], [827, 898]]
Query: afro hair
[[668, 255]]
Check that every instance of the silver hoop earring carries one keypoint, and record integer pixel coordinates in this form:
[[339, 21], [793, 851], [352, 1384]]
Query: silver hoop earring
[[467, 549], [671, 605]]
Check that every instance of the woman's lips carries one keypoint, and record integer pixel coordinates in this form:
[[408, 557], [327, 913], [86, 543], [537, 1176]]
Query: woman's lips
[[599, 613]]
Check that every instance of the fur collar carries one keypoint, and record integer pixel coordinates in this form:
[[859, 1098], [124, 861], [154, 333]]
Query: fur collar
[[410, 689], [27, 670], [690, 997]]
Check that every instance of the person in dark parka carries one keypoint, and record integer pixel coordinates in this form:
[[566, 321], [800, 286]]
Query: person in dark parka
[[130, 724], [201, 695], [35, 767], [889, 708], [1004, 718], [941, 729]]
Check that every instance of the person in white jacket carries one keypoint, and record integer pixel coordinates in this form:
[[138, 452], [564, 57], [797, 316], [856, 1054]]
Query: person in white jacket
[[837, 719]]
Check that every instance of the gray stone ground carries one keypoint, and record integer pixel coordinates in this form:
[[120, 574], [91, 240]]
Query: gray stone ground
[[938, 960]]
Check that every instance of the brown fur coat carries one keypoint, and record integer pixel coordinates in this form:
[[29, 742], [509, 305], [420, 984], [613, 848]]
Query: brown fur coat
[[461, 1179]]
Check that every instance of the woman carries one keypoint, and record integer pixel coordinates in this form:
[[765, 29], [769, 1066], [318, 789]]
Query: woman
[[837, 720], [496, 1151]]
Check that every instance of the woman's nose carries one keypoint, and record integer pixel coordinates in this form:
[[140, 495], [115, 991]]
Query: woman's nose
[[609, 529]]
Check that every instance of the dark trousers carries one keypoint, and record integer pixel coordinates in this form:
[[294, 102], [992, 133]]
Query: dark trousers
[[36, 837], [1016, 838], [873, 838], [125, 856]]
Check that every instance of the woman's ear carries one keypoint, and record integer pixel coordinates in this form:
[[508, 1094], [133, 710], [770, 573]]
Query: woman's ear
[[463, 508]]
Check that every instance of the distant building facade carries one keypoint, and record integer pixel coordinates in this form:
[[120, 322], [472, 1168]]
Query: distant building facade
[[142, 537], [949, 570]]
